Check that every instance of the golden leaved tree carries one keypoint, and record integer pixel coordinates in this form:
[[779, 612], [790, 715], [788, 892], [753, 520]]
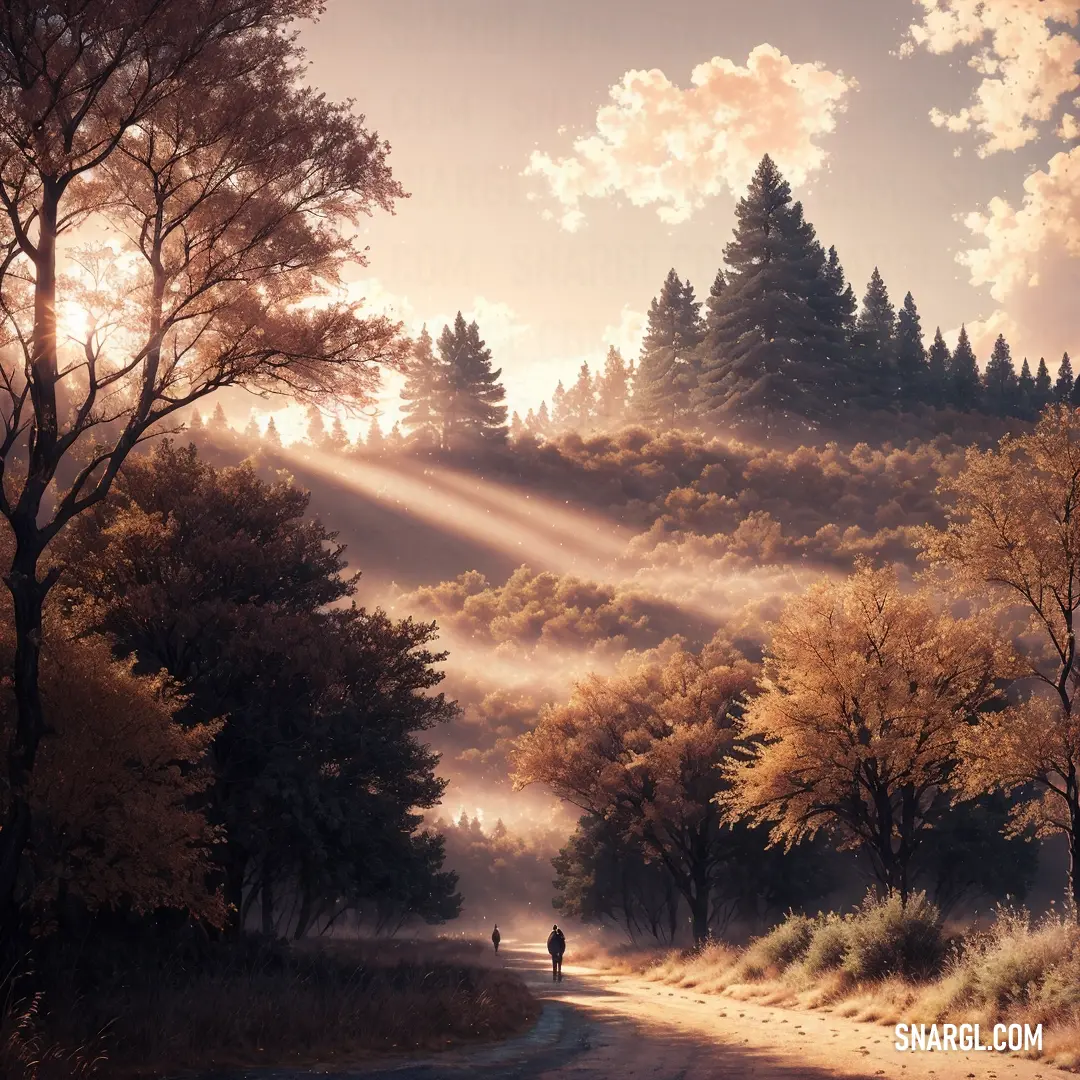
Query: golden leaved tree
[[867, 695], [114, 824], [1013, 535], [641, 750]]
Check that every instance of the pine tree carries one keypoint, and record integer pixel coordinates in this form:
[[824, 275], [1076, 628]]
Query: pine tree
[[580, 401], [560, 410], [668, 367], [474, 412], [271, 436], [1001, 393], [774, 343], [874, 347], [964, 381], [217, 419], [543, 420], [196, 421], [836, 303], [316, 428], [1074, 397], [1063, 385], [517, 428], [395, 441], [424, 393], [612, 391], [938, 366], [1026, 392], [338, 439], [251, 430], [1044, 387], [376, 441], [911, 360]]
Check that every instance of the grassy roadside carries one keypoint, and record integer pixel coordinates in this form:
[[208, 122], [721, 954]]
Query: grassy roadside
[[264, 1006], [886, 964]]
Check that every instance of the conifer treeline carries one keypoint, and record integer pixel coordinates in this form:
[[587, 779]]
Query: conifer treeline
[[782, 338], [452, 397]]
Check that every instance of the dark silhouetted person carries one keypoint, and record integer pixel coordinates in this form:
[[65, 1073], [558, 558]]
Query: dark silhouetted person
[[496, 937], [556, 946]]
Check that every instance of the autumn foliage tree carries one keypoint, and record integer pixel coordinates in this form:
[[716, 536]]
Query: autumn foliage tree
[[183, 131], [1014, 535], [857, 733], [640, 751], [115, 824]]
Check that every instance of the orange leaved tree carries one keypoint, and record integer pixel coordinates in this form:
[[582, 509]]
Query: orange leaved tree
[[1013, 534], [857, 731], [641, 751], [181, 133]]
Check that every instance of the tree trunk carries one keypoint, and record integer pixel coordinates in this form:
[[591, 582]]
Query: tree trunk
[[1074, 859], [267, 905], [303, 918], [235, 872], [28, 595], [27, 592]]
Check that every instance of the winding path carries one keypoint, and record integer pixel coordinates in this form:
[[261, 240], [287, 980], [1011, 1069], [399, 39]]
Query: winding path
[[604, 1027]]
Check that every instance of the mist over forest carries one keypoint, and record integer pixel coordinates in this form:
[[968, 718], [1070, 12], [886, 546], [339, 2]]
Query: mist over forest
[[668, 505]]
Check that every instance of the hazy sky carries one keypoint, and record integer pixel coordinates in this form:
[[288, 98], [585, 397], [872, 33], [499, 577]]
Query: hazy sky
[[562, 155]]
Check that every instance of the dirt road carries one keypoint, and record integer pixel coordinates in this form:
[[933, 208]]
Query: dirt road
[[601, 1027]]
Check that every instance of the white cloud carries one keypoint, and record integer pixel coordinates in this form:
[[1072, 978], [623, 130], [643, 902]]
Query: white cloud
[[1019, 242], [1029, 257], [1026, 54], [982, 334], [627, 334], [659, 144]]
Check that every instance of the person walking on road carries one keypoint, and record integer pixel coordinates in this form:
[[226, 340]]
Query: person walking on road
[[556, 946], [496, 937]]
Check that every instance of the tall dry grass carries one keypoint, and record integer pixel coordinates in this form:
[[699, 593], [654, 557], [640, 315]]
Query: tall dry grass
[[282, 1006], [889, 963]]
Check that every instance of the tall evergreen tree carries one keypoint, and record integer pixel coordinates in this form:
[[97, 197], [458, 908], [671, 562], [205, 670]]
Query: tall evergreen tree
[[218, 422], [560, 410], [474, 412], [668, 367], [1001, 391], [1063, 385], [612, 391], [1025, 387], [1074, 397], [376, 441], [531, 424], [874, 347], [423, 395], [196, 421], [517, 428], [837, 304], [395, 441], [712, 303], [964, 380], [911, 361], [316, 428], [938, 364], [251, 429], [1044, 387], [271, 437], [543, 420], [338, 439], [581, 401], [772, 351]]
